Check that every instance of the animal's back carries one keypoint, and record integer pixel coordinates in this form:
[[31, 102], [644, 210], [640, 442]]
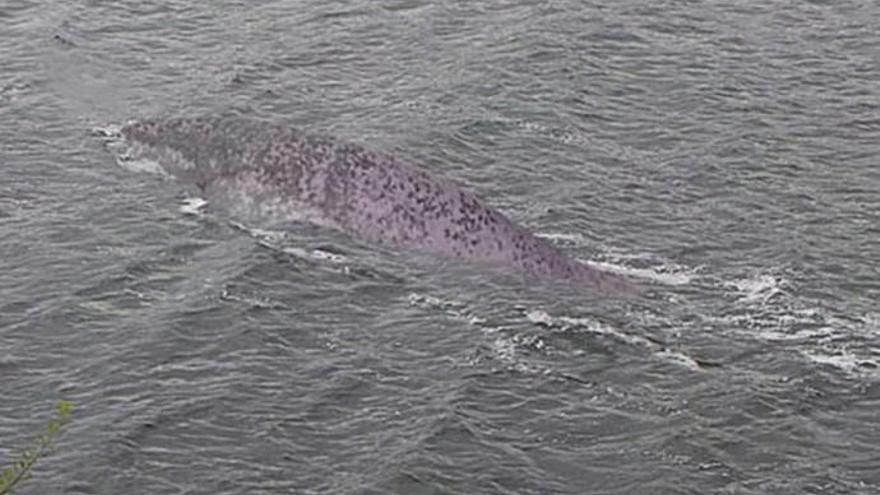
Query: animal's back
[[266, 171]]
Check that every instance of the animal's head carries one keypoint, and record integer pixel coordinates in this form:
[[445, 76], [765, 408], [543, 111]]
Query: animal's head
[[168, 132]]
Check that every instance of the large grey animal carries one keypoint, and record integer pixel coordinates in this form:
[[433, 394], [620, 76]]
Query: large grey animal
[[273, 173]]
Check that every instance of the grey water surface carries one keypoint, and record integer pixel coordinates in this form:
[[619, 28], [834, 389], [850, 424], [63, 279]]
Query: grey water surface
[[724, 155]]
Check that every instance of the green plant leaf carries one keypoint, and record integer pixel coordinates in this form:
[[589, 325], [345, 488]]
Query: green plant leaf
[[21, 469]]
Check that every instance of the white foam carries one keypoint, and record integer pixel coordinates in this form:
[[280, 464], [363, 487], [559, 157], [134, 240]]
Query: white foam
[[665, 274], [564, 322], [759, 288], [141, 165], [619, 262], [540, 317], [767, 311], [844, 360], [278, 240], [452, 308], [315, 254], [679, 358], [505, 347], [588, 324], [321, 254], [831, 348], [110, 132], [192, 206]]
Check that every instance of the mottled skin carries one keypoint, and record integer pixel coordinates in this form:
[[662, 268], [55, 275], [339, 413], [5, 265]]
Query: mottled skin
[[267, 172]]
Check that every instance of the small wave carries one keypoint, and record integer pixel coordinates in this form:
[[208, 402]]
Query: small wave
[[564, 323], [505, 346]]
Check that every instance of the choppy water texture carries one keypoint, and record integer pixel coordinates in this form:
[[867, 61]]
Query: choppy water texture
[[726, 156]]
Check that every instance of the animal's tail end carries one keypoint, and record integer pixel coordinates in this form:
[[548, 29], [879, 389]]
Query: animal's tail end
[[608, 282]]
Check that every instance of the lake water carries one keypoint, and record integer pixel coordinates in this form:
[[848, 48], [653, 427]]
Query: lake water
[[726, 156]]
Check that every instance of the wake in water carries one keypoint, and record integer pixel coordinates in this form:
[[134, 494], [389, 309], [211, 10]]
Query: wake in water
[[266, 174]]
